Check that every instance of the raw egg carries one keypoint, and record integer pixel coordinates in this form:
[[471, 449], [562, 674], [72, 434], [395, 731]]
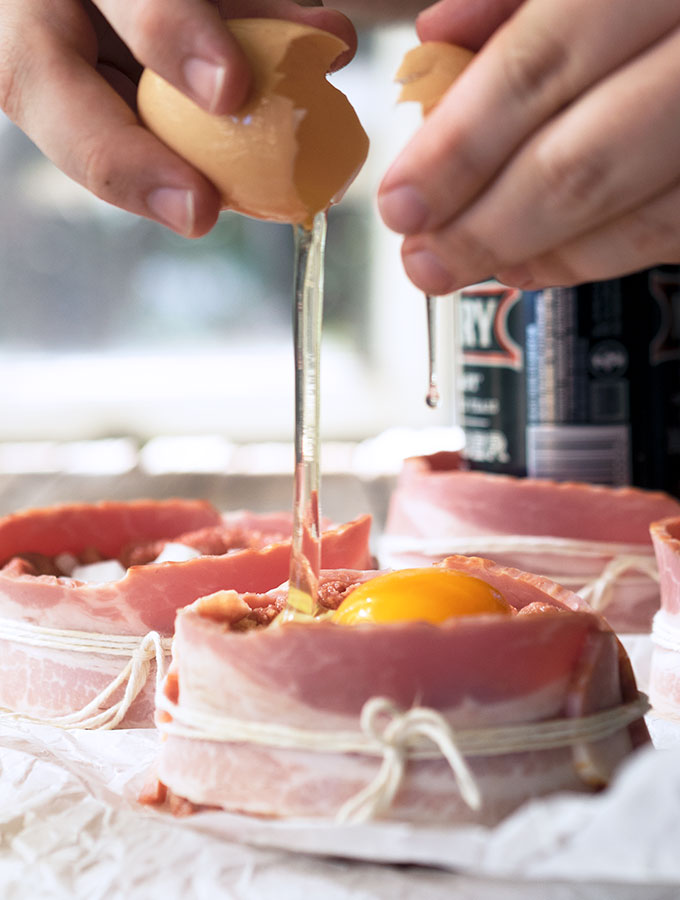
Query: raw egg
[[428, 595], [428, 71], [295, 145]]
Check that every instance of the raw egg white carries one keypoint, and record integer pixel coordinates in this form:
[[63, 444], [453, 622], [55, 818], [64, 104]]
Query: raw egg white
[[428, 595], [295, 145]]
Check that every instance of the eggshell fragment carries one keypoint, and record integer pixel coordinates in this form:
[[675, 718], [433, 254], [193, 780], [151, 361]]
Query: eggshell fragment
[[428, 71], [223, 606], [295, 145]]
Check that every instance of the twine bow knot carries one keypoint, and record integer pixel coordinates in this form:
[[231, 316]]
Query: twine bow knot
[[102, 711], [399, 733]]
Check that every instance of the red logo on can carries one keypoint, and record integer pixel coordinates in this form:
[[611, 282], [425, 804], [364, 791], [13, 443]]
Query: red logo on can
[[665, 288], [483, 318]]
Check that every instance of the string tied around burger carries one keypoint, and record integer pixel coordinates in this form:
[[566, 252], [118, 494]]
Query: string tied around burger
[[397, 731], [102, 712], [599, 592], [597, 589], [397, 737]]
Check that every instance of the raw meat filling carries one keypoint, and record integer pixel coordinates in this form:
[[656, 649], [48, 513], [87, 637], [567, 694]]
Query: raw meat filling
[[246, 611], [211, 541]]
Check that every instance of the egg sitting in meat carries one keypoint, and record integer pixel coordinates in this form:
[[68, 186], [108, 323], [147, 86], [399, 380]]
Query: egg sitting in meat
[[427, 595], [295, 145]]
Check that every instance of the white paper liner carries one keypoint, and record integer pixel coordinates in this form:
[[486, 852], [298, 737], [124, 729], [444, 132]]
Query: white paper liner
[[68, 805], [69, 816]]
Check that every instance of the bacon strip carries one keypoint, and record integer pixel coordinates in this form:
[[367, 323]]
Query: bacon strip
[[436, 499], [664, 686], [556, 659], [44, 682]]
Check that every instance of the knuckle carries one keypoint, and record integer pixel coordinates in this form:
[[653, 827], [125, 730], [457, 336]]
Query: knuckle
[[548, 270], [146, 24], [573, 183], [648, 230], [556, 269], [469, 248], [533, 64], [10, 94], [446, 190], [13, 74], [160, 35], [98, 167]]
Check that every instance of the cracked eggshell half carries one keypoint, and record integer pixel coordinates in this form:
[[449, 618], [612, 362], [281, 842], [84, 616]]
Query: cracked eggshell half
[[428, 71], [292, 149]]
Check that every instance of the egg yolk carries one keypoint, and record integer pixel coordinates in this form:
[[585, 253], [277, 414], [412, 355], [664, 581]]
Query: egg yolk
[[428, 595]]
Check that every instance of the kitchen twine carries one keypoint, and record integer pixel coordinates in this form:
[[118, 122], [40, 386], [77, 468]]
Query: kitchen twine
[[665, 631], [100, 712], [141, 650], [396, 736], [598, 591]]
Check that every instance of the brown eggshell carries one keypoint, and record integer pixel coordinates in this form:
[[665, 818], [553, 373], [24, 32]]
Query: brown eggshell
[[295, 145], [428, 71]]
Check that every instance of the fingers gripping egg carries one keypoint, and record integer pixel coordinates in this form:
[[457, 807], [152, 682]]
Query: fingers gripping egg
[[295, 145], [429, 595], [428, 70]]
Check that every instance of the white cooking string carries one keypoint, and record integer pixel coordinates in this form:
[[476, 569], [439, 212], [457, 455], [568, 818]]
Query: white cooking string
[[101, 712], [598, 591], [626, 558], [396, 736]]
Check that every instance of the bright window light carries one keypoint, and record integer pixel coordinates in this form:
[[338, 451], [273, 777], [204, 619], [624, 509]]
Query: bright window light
[[113, 326]]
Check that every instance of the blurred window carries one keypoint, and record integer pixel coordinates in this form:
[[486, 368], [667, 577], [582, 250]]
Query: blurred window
[[113, 325]]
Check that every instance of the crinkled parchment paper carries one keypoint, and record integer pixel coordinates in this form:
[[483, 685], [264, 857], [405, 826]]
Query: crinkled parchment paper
[[70, 823]]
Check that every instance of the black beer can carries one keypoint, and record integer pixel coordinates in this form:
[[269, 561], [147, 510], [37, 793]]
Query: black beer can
[[490, 322], [579, 383], [652, 301], [603, 381]]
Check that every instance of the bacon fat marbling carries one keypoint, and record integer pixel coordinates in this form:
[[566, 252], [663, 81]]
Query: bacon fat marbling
[[556, 659], [436, 499], [47, 682]]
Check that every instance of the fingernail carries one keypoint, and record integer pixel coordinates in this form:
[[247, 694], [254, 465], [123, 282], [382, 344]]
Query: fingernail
[[428, 272], [205, 80], [173, 207], [403, 209]]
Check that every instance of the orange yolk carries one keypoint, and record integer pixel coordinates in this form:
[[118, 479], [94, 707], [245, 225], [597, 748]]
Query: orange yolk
[[428, 595]]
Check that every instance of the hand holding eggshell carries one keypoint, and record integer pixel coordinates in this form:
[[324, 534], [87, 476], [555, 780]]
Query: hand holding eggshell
[[69, 76], [291, 149]]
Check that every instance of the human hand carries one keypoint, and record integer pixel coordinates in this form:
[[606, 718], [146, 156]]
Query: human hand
[[555, 157], [68, 78]]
